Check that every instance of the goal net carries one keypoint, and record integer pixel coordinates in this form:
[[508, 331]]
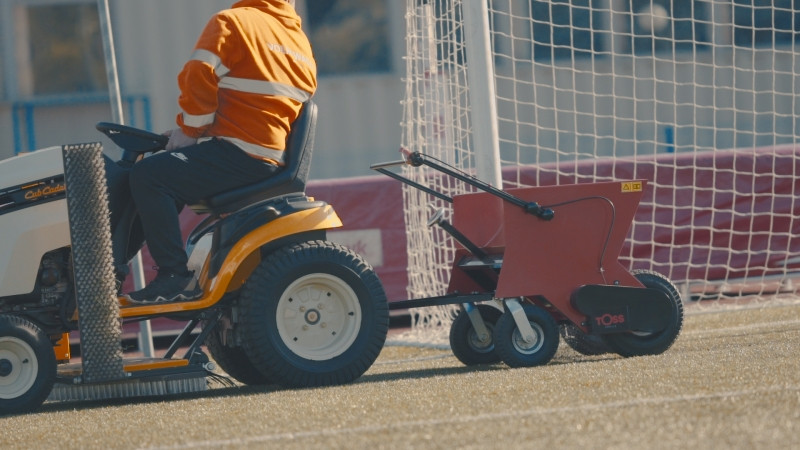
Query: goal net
[[700, 98]]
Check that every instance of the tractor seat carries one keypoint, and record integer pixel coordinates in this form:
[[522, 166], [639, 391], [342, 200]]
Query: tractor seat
[[291, 179]]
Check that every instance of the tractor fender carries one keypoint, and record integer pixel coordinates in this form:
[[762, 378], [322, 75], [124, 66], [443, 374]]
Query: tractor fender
[[231, 261], [235, 253]]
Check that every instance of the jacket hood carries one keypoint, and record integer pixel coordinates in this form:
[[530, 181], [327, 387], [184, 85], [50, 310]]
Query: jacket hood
[[270, 4], [276, 8]]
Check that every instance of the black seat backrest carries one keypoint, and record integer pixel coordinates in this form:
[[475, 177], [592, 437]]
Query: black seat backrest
[[289, 180]]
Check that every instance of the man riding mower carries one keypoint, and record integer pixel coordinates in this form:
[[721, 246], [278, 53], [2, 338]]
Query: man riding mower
[[279, 303]]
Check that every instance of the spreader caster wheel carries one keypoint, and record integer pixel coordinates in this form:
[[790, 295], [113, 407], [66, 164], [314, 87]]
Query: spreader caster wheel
[[525, 346], [470, 346], [27, 365]]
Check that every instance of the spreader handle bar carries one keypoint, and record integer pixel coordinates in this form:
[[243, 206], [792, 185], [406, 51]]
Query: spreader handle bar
[[417, 159], [411, 183], [383, 165]]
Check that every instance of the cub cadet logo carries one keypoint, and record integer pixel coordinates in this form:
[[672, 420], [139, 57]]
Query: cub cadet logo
[[632, 186], [607, 320], [45, 191]]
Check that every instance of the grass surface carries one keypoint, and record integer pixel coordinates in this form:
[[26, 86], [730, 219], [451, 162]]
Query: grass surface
[[732, 380]]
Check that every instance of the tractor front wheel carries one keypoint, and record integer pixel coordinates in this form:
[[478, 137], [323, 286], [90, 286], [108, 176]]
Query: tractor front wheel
[[27, 365]]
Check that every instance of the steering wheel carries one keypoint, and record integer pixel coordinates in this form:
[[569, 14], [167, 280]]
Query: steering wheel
[[133, 141]]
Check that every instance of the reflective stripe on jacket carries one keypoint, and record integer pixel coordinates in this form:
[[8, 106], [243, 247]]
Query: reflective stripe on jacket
[[251, 69]]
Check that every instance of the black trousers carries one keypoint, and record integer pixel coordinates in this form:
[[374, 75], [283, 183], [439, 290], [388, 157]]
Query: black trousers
[[161, 184]]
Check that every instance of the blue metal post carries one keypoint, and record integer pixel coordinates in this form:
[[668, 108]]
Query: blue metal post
[[16, 125], [669, 138], [31, 131]]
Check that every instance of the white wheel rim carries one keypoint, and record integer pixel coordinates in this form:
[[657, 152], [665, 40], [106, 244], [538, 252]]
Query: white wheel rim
[[318, 317], [529, 348], [19, 360]]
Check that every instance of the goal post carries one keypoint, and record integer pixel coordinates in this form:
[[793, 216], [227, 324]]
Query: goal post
[[484, 115], [699, 97]]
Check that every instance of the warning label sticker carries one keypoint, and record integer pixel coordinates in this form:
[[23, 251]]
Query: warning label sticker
[[632, 186]]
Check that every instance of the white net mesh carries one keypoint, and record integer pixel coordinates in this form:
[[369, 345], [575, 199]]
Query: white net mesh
[[701, 98]]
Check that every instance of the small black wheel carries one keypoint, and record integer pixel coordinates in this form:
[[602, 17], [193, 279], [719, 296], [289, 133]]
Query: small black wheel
[[511, 346], [635, 343], [313, 314], [233, 360], [585, 344], [27, 365], [465, 342]]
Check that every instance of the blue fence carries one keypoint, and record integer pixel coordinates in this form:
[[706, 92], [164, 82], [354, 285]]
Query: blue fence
[[23, 114]]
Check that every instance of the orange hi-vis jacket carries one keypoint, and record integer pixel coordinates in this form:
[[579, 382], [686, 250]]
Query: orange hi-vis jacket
[[251, 69]]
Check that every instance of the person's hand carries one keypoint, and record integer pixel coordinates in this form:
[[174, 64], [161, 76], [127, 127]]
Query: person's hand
[[178, 139]]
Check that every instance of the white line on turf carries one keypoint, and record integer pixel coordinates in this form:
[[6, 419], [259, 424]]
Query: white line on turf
[[776, 326], [516, 415]]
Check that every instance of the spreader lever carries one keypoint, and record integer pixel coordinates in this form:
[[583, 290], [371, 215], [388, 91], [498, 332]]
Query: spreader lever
[[438, 219], [416, 159]]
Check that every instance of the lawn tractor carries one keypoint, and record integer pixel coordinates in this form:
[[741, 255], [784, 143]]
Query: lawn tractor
[[532, 264], [280, 303]]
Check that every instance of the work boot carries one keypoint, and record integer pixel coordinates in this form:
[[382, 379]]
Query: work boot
[[119, 280], [167, 287]]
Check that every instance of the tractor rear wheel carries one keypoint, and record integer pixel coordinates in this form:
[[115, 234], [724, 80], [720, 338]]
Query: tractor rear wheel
[[233, 360], [27, 365], [313, 314]]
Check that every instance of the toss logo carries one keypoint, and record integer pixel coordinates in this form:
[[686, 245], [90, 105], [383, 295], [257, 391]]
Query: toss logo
[[607, 320]]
